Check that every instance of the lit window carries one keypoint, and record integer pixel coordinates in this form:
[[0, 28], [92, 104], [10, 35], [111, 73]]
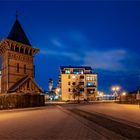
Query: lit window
[[78, 71], [90, 78], [67, 71], [73, 77], [89, 84]]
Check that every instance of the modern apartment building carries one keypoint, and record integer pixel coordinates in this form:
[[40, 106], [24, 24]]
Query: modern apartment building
[[80, 77]]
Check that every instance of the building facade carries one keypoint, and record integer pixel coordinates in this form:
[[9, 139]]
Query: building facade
[[80, 77], [18, 62]]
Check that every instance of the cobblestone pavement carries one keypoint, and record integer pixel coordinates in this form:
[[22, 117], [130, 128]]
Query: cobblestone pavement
[[46, 124]]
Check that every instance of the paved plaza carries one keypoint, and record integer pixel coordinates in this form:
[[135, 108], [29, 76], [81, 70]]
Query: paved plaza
[[61, 122]]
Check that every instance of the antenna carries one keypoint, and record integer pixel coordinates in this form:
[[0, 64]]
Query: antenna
[[16, 14]]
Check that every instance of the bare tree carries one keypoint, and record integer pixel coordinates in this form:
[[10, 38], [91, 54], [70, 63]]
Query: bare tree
[[76, 90]]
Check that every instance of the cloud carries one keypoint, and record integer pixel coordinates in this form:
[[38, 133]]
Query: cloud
[[76, 46], [71, 55], [56, 42], [107, 60]]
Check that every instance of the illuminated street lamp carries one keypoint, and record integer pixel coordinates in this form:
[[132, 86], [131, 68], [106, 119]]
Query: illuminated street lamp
[[57, 90], [100, 95], [115, 89], [123, 96], [123, 93]]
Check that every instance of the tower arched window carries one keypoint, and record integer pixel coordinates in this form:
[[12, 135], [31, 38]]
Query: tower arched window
[[17, 49], [26, 51], [30, 52], [12, 48], [21, 50]]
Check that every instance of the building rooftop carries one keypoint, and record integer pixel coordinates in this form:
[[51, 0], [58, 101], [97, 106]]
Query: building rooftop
[[83, 67]]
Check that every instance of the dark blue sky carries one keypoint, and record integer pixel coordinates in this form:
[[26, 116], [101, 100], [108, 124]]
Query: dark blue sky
[[103, 34]]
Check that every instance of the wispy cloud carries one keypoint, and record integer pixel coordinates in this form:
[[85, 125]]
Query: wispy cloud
[[108, 60], [75, 46], [56, 42], [71, 55]]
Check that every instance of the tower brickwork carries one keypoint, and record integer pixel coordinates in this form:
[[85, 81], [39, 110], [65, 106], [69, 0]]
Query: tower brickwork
[[17, 61]]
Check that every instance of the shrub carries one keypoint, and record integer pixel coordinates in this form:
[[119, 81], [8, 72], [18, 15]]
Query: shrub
[[20, 100]]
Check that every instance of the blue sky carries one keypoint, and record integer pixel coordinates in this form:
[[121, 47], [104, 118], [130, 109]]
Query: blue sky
[[101, 34]]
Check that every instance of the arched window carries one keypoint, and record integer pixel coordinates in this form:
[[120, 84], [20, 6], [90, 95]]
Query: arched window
[[26, 51], [30, 52], [17, 49], [21, 50], [12, 47]]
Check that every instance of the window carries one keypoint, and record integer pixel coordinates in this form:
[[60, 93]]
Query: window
[[81, 77], [21, 50], [90, 84], [82, 89], [69, 90], [26, 51], [78, 71], [73, 83], [30, 52], [90, 78], [67, 71], [81, 83], [17, 49], [68, 76], [24, 69], [68, 83], [12, 47], [17, 67]]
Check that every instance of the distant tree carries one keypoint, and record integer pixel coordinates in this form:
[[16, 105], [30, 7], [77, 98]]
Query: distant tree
[[76, 90]]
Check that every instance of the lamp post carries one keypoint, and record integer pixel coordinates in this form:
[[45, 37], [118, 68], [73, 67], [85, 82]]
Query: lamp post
[[115, 89], [123, 96]]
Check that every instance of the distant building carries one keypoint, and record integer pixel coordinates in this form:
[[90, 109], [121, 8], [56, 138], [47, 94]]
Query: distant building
[[18, 69], [81, 76]]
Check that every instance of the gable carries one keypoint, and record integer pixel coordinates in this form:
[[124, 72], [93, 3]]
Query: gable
[[26, 84]]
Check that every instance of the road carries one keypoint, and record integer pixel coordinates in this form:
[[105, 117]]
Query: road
[[65, 122]]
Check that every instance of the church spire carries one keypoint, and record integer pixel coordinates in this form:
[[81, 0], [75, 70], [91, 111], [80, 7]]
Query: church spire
[[17, 33]]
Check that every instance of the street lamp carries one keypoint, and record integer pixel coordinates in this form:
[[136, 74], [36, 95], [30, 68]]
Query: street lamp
[[57, 90], [123, 93], [115, 89], [123, 96]]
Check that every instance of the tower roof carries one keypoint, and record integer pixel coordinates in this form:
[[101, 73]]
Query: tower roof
[[17, 34]]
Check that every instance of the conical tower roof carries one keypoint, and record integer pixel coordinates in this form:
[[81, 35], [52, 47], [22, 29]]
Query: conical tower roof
[[18, 34]]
